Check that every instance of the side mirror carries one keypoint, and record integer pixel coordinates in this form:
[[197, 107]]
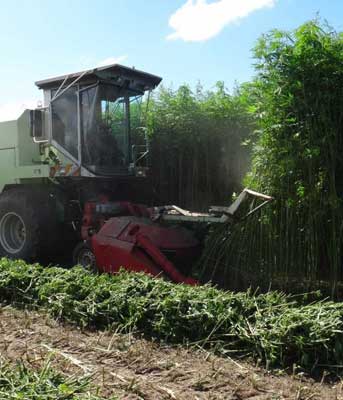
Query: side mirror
[[38, 125]]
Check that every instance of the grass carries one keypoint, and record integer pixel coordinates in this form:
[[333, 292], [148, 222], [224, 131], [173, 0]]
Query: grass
[[23, 383], [271, 327]]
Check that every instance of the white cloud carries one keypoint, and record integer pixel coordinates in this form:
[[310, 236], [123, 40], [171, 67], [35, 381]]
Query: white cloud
[[13, 110], [112, 60], [198, 20]]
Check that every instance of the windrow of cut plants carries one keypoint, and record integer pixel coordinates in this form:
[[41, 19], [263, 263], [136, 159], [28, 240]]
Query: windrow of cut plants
[[297, 98], [274, 328]]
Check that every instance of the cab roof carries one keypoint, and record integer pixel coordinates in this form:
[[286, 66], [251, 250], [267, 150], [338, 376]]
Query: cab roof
[[117, 74]]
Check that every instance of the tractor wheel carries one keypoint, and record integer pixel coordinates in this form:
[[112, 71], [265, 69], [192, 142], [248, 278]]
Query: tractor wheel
[[23, 226], [83, 255]]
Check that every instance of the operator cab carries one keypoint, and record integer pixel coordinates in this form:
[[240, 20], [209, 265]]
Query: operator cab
[[87, 115]]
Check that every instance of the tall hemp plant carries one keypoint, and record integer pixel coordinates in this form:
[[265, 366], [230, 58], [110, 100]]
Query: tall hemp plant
[[298, 159], [196, 144]]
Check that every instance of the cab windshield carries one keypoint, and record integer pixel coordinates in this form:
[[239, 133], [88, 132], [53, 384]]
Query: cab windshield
[[104, 128]]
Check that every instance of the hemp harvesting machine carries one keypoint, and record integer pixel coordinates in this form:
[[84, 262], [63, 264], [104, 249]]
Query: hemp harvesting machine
[[72, 171]]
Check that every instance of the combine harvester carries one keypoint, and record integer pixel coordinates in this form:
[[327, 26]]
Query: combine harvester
[[72, 171]]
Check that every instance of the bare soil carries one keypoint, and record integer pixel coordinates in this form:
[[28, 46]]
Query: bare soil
[[127, 367]]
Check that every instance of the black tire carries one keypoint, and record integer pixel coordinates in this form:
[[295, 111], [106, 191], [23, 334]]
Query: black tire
[[26, 225], [84, 256]]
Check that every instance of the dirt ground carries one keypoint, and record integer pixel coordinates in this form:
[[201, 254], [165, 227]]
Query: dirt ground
[[132, 368]]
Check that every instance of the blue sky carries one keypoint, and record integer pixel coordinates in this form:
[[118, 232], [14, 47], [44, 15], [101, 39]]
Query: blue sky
[[180, 40]]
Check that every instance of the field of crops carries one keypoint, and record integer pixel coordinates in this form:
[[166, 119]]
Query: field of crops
[[287, 121]]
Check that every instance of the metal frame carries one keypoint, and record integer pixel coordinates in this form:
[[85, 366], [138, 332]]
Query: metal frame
[[128, 128], [60, 91], [217, 214], [79, 144]]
